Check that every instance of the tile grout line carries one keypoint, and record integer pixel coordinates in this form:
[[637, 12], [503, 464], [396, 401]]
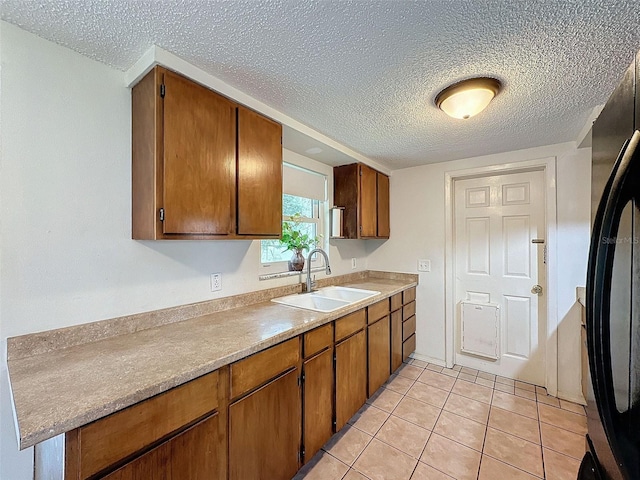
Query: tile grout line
[[544, 468], [414, 381]]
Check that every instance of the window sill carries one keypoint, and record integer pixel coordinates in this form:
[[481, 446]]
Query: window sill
[[269, 276]]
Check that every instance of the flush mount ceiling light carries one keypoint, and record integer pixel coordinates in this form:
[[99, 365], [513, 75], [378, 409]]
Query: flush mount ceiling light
[[468, 97]]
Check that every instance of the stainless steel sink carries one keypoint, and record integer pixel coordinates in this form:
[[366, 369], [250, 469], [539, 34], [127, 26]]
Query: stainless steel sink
[[326, 299]]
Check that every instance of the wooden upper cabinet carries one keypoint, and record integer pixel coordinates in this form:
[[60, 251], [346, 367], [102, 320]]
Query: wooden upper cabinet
[[202, 166], [259, 174], [364, 192], [199, 159], [384, 229], [368, 202]]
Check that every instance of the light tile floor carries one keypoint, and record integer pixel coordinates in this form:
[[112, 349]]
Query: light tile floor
[[434, 423]]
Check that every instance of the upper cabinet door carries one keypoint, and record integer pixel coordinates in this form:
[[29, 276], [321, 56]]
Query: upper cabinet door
[[259, 174], [368, 202], [199, 159], [383, 205]]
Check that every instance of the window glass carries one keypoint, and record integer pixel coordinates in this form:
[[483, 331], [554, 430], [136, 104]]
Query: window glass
[[273, 256]]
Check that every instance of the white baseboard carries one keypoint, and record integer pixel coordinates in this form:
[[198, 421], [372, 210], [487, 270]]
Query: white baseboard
[[572, 397], [428, 359]]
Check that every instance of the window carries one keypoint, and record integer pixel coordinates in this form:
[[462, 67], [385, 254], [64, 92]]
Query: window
[[304, 193]]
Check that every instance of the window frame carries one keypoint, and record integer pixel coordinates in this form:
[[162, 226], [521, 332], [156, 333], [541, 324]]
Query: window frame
[[281, 268]]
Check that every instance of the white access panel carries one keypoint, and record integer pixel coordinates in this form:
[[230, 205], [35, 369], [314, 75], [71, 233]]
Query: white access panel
[[480, 327]]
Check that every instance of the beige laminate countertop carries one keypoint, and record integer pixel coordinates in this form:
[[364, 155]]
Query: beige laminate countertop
[[60, 390]]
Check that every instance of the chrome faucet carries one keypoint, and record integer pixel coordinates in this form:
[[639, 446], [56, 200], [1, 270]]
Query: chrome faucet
[[312, 283]]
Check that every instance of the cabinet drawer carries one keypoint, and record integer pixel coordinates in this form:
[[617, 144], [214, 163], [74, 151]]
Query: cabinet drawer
[[408, 328], [317, 339], [396, 302], [261, 367], [378, 310], [106, 441], [353, 322], [408, 346], [409, 295], [408, 311]]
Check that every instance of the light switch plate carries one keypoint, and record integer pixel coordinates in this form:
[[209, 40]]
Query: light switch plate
[[424, 265]]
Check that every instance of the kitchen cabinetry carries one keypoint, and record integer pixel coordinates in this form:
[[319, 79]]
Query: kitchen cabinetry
[[350, 366], [379, 345], [364, 193], [259, 175], [408, 322], [188, 455], [264, 425], [396, 331], [156, 438], [259, 417], [203, 167], [317, 390]]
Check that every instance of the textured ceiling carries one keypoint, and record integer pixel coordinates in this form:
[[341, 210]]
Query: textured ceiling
[[365, 72]]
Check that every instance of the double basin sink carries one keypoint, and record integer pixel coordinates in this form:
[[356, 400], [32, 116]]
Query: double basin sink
[[326, 299]]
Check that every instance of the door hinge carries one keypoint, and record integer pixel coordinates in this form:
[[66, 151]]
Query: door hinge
[[162, 214], [304, 377], [162, 90], [302, 452], [544, 258]]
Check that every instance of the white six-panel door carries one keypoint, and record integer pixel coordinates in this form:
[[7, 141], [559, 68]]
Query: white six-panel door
[[496, 219]]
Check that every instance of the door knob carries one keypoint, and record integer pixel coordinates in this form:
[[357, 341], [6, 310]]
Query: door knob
[[537, 289]]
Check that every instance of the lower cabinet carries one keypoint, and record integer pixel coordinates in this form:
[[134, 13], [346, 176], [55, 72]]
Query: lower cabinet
[[351, 377], [379, 338], [317, 394], [264, 431], [193, 455], [259, 418], [396, 340], [162, 437], [408, 322]]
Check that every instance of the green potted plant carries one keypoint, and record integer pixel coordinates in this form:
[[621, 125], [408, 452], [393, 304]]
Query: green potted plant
[[294, 238]]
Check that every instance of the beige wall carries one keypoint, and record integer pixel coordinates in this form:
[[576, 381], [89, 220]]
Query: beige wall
[[65, 210], [418, 232]]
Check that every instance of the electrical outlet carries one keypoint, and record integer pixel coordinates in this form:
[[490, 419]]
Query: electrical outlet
[[216, 282], [353, 263], [424, 265]]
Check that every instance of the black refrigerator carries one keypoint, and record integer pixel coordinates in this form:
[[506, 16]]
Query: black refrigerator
[[613, 289]]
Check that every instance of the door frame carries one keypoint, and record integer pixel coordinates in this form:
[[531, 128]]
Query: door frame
[[548, 166]]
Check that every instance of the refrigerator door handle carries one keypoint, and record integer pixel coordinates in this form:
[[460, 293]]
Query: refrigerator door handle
[[621, 187]]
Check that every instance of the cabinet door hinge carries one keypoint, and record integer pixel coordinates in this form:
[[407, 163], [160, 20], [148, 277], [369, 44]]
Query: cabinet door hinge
[[162, 90], [162, 214], [304, 377], [302, 452]]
